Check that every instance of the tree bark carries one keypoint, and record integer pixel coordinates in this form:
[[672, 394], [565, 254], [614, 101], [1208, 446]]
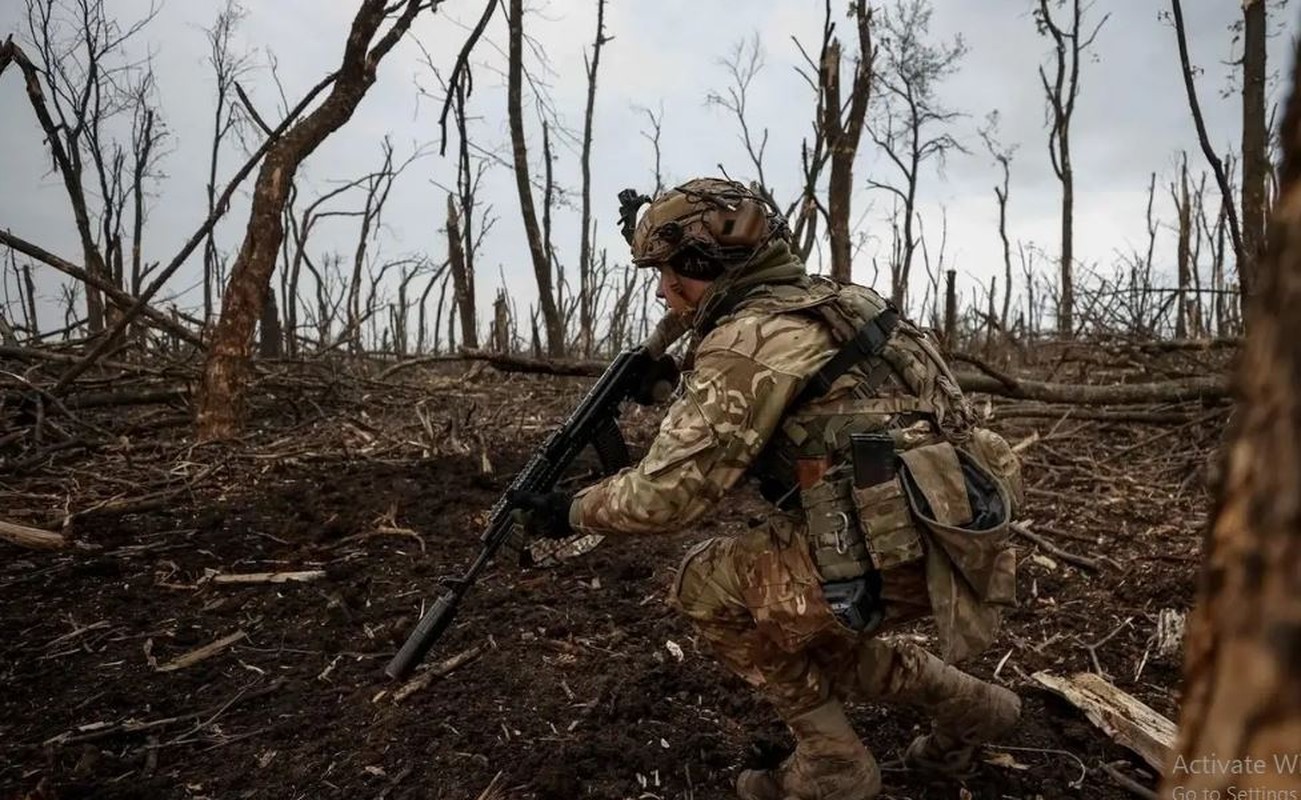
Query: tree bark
[[537, 249], [460, 278], [1241, 698], [843, 135], [1184, 254], [950, 309], [1255, 160], [220, 406]]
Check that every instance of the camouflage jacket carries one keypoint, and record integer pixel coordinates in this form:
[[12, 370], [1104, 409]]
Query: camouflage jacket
[[747, 370]]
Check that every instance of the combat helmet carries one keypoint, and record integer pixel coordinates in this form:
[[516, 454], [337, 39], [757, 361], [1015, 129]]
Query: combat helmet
[[703, 227]]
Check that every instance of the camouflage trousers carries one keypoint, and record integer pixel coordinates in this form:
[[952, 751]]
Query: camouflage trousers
[[757, 600]]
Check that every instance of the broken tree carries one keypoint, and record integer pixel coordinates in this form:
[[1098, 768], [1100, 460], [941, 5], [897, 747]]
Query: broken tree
[[1242, 698]]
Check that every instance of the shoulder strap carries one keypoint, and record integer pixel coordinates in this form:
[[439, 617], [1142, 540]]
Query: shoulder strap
[[867, 343]]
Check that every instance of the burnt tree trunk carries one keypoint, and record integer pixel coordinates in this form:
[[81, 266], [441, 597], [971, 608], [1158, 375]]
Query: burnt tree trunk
[[537, 249], [950, 309], [843, 135], [586, 287], [220, 404], [1255, 160], [1183, 204], [1242, 699], [269, 342], [461, 286], [1208, 150]]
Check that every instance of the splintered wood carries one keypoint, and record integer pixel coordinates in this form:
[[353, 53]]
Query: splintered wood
[[301, 576], [1123, 717]]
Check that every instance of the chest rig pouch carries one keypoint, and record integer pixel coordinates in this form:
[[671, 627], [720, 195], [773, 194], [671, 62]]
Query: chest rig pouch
[[856, 512]]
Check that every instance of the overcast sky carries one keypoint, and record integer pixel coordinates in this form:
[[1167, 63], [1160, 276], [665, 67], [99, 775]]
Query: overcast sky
[[1132, 119]]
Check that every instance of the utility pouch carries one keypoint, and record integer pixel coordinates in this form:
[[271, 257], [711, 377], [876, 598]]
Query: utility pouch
[[889, 530], [851, 585], [835, 541], [967, 512]]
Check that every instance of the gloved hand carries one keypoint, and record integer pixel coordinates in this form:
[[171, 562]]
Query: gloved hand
[[657, 381], [544, 514]]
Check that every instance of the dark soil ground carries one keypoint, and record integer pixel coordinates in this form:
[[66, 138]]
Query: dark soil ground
[[586, 684]]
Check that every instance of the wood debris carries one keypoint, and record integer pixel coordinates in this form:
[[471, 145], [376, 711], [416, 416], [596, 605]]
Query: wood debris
[[300, 576], [207, 651], [1123, 717], [437, 671]]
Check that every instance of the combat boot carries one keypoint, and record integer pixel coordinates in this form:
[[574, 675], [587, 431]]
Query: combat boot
[[829, 763], [965, 712]]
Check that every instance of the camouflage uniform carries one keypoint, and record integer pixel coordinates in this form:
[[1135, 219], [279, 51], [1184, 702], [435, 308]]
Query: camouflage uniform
[[757, 598]]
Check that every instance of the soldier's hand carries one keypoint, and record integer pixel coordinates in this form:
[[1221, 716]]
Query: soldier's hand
[[657, 382], [542, 514]]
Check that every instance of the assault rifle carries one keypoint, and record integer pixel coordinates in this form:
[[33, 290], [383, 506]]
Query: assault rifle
[[644, 374]]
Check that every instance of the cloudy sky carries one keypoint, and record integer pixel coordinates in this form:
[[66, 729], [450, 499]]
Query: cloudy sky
[[1132, 120]]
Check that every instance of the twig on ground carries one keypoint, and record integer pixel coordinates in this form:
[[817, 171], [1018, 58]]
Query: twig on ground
[[1020, 529], [1125, 781], [207, 651], [437, 671]]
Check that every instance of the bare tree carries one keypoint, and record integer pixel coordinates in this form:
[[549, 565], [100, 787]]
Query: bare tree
[[656, 121], [1240, 698], [1002, 155], [1217, 166], [1070, 42], [744, 64], [461, 224], [220, 407], [1255, 158], [462, 277], [377, 185], [75, 88], [586, 310], [909, 121], [842, 127], [537, 246], [1179, 193], [227, 68]]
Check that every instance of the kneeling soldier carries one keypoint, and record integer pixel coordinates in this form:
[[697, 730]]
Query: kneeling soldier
[[892, 503]]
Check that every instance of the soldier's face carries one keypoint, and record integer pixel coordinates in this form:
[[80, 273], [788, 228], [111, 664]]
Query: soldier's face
[[680, 293]]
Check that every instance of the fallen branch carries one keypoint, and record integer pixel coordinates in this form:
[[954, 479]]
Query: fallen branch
[[1098, 415], [119, 297], [31, 538], [162, 394], [1127, 782], [558, 366], [203, 653], [1080, 561], [1205, 390], [302, 576], [1190, 389]]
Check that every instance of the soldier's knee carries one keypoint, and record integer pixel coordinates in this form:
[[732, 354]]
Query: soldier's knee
[[698, 590]]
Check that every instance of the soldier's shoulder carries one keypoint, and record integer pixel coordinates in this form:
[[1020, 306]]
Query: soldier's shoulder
[[788, 341]]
